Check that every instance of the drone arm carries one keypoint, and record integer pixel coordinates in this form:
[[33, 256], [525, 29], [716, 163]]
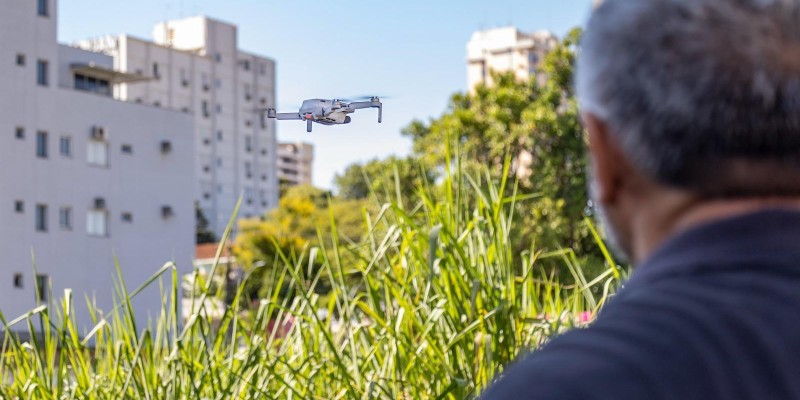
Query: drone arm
[[369, 104], [358, 105], [283, 116]]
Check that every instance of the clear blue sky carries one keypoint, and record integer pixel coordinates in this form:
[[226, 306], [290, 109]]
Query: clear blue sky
[[413, 51]]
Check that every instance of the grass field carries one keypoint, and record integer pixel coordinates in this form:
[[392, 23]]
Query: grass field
[[434, 305]]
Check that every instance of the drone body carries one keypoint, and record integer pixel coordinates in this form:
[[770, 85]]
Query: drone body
[[328, 112]]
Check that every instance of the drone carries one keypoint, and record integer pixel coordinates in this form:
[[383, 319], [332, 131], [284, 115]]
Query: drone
[[328, 112]]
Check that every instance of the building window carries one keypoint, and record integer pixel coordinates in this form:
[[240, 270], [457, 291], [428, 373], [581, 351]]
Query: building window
[[218, 57], [42, 287], [219, 108], [43, 8], [41, 144], [219, 136], [263, 68], [65, 218], [156, 72], [93, 85], [206, 112], [97, 222], [127, 217], [21, 59], [97, 153], [41, 73], [19, 133], [18, 281], [127, 149], [65, 146], [246, 65], [247, 94], [219, 162], [41, 218], [248, 169], [248, 143], [204, 79], [19, 206]]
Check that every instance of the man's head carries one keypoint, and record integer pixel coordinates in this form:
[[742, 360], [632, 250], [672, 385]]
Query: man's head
[[691, 101]]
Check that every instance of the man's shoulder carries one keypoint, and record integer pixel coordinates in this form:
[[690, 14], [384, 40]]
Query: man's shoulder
[[676, 338]]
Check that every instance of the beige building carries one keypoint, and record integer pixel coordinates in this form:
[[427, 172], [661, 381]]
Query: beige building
[[505, 49], [295, 162], [195, 67]]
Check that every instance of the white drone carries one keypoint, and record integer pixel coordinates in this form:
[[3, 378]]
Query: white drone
[[328, 112]]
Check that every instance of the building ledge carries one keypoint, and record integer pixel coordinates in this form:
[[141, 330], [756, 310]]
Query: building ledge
[[111, 75]]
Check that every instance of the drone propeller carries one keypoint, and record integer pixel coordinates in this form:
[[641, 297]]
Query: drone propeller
[[364, 98]]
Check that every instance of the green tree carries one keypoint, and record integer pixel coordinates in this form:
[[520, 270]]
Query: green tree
[[536, 124], [203, 234], [387, 178], [292, 227]]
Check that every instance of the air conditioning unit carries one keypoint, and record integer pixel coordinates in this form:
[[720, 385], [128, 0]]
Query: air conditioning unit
[[166, 146], [98, 133], [206, 87], [99, 203], [248, 97], [185, 83], [166, 212]]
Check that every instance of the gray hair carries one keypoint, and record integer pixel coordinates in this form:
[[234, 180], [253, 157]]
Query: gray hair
[[701, 94]]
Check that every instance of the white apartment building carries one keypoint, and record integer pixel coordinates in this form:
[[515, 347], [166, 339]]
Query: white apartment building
[[196, 67], [86, 179], [505, 49], [295, 163]]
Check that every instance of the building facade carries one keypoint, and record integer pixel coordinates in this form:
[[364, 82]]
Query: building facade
[[295, 163], [87, 180], [505, 49], [194, 66]]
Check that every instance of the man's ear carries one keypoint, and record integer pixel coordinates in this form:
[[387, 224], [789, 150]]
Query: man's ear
[[605, 159]]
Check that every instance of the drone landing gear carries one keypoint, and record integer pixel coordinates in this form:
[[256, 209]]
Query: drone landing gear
[[308, 125]]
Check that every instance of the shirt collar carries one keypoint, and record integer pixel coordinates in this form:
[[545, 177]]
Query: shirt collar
[[769, 238]]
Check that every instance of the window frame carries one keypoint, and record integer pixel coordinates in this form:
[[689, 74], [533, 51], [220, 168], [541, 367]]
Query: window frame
[[65, 146], [40, 218], [65, 220], [42, 73], [42, 150], [43, 8]]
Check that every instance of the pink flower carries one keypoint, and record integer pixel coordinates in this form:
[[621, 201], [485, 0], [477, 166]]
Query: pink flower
[[585, 317]]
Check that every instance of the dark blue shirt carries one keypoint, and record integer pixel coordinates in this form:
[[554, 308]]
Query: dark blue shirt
[[714, 314]]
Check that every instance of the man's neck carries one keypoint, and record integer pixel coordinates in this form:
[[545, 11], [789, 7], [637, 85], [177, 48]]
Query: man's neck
[[652, 229]]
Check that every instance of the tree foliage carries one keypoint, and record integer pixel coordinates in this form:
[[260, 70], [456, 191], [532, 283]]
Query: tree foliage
[[386, 178], [203, 234], [292, 227], [535, 123]]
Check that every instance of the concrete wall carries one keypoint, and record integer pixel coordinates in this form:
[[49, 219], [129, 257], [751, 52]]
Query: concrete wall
[[203, 73], [140, 183]]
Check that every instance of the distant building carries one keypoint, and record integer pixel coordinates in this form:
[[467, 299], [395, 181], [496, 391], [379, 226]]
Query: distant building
[[505, 49], [87, 180], [196, 67], [295, 163]]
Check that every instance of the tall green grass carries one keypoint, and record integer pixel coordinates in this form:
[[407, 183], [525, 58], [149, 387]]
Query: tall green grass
[[431, 304]]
